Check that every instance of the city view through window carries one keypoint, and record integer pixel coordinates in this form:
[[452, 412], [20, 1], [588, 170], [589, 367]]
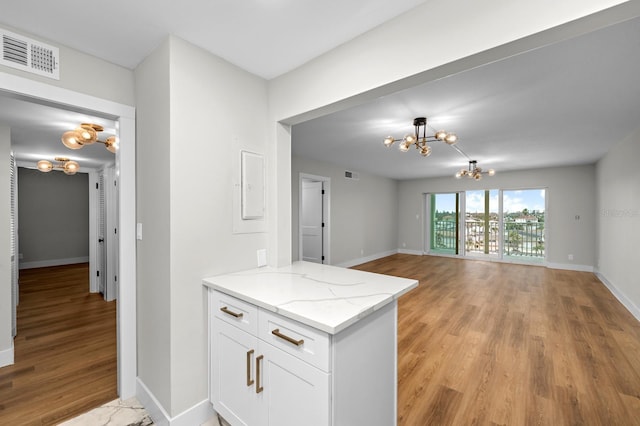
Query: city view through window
[[519, 235]]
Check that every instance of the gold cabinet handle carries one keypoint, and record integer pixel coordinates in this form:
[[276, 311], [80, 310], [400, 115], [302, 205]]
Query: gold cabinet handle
[[233, 314], [291, 340], [259, 387], [249, 379]]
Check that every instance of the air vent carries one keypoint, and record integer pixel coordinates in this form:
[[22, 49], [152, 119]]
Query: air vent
[[351, 175], [29, 55]]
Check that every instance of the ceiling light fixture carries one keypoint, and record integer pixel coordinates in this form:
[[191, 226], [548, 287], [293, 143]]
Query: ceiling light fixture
[[474, 172], [420, 138], [70, 167], [87, 134]]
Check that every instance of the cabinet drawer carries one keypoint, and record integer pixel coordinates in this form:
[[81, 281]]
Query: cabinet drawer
[[234, 311], [300, 340]]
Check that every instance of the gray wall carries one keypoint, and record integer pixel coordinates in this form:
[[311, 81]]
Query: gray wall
[[363, 213], [53, 217], [618, 189], [570, 192]]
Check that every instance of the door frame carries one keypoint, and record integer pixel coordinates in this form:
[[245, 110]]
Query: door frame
[[124, 115], [326, 185]]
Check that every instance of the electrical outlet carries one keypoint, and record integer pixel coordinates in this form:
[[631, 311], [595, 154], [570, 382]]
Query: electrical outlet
[[262, 257]]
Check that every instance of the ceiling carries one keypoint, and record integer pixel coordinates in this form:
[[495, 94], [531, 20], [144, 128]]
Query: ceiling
[[567, 103]]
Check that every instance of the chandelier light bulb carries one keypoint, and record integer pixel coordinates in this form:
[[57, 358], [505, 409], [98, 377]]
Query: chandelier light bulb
[[388, 141], [491, 172], [45, 166], [71, 140], [111, 144], [71, 167], [410, 139], [425, 151], [404, 146], [451, 138], [440, 135]]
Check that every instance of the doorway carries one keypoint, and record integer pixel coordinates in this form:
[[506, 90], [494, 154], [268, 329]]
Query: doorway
[[314, 218], [124, 115]]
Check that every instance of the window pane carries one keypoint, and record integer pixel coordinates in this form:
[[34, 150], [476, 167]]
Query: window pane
[[523, 213]]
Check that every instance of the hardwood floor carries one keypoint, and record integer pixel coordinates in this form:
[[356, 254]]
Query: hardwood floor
[[65, 350], [485, 343]]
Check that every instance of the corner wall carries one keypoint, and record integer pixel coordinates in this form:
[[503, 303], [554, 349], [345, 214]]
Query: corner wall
[[6, 339], [363, 213], [570, 192], [618, 213]]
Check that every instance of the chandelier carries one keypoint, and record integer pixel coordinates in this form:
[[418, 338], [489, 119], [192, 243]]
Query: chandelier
[[70, 167], [87, 134], [474, 172], [420, 138]]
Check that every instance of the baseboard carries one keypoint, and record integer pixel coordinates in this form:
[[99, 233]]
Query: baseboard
[[626, 302], [570, 267], [196, 415], [416, 252], [366, 259], [53, 262], [6, 356]]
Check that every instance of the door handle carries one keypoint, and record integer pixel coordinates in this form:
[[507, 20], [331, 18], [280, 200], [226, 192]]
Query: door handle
[[101, 240], [259, 387], [249, 379]]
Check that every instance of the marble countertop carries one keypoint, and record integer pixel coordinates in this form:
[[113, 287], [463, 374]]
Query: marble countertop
[[325, 297]]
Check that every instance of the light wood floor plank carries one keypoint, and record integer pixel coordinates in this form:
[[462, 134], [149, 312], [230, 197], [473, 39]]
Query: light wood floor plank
[[492, 343]]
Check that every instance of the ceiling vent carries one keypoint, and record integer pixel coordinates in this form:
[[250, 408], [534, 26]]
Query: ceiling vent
[[351, 175], [29, 55]]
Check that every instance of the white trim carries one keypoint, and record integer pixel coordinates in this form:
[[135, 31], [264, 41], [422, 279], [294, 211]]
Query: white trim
[[196, 415], [53, 262], [366, 259], [6, 356], [622, 298], [569, 267], [124, 116], [406, 251]]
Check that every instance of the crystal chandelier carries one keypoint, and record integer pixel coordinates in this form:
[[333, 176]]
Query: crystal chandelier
[[87, 134], [420, 138], [474, 172], [69, 167]]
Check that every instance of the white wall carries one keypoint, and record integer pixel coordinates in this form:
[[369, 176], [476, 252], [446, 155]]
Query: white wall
[[618, 188], [153, 206], [6, 340], [363, 213], [206, 110], [570, 192], [83, 73], [359, 70]]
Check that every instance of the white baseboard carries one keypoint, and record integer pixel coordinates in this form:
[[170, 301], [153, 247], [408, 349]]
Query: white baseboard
[[570, 267], [366, 259], [6, 356], [196, 415], [53, 262], [416, 252], [626, 302]]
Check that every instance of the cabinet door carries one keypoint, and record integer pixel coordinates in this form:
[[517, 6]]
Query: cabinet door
[[233, 356], [295, 393]]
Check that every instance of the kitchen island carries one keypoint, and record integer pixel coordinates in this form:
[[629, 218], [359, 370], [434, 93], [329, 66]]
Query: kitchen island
[[304, 344]]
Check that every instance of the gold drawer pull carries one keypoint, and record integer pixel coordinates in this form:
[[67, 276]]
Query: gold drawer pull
[[259, 387], [276, 332], [233, 314], [249, 379]]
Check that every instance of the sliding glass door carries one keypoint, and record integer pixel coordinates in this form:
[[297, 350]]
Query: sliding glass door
[[523, 230], [481, 223], [444, 223]]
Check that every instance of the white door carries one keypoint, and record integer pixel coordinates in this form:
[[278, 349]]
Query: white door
[[101, 257], [312, 221]]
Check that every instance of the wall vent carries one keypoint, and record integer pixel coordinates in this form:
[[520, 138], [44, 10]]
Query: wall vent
[[351, 175], [29, 55]]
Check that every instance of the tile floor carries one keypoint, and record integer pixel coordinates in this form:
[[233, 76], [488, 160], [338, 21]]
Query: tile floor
[[120, 413]]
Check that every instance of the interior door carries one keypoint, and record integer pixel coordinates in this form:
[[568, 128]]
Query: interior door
[[312, 221], [101, 258]]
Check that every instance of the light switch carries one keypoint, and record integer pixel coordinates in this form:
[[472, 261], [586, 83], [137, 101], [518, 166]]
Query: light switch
[[262, 257], [138, 231]]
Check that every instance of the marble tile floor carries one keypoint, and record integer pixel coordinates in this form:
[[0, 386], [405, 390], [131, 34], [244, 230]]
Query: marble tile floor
[[120, 413]]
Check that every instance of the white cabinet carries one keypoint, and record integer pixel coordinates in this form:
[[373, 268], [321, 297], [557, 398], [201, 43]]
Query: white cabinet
[[266, 369]]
